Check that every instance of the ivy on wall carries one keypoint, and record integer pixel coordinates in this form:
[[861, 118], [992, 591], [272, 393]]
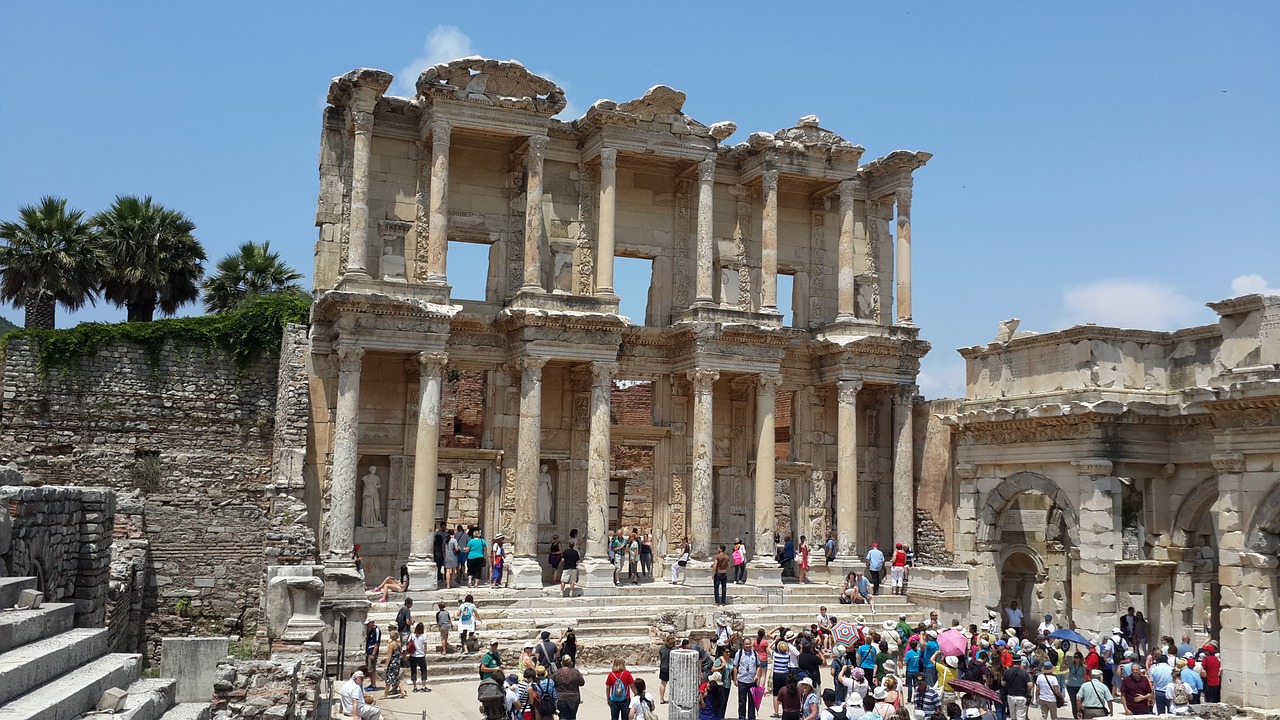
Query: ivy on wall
[[245, 335]]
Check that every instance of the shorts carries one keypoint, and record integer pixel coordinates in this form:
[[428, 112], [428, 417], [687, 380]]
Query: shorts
[[569, 576]]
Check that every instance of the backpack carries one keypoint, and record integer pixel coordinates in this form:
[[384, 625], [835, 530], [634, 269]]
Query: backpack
[[841, 714], [533, 699], [618, 691], [466, 613], [546, 702], [1180, 694], [647, 705]]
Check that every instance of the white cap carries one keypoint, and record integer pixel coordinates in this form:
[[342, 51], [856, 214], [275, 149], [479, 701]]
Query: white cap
[[806, 681]]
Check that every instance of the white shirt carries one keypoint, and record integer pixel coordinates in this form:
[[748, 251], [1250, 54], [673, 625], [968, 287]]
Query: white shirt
[[824, 621], [1015, 617], [1045, 686], [1046, 628], [352, 695], [635, 704]]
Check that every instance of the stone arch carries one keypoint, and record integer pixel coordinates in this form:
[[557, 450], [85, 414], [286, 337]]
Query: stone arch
[[1264, 527], [1019, 549], [1191, 513], [998, 501]]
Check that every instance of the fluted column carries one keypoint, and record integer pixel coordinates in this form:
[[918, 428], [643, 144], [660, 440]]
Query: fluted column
[[846, 300], [903, 263], [438, 232], [766, 463], [904, 498], [529, 453], [345, 455], [769, 243], [608, 212], [426, 453], [700, 481], [598, 448], [704, 280], [847, 465], [358, 230], [534, 229]]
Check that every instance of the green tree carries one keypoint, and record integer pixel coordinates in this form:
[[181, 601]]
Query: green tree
[[246, 275], [51, 257], [153, 259]]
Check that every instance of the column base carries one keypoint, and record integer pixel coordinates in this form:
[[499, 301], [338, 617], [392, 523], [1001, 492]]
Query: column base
[[595, 573], [764, 572], [422, 575], [698, 573], [524, 573]]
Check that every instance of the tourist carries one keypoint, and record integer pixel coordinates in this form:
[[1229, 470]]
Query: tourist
[[527, 661], [460, 539], [372, 643], [1184, 647], [875, 565], [829, 549], [928, 657], [476, 547], [445, 624], [1213, 673], [633, 558], [513, 696], [546, 652], [868, 706], [527, 679], [439, 544], [1094, 699], [1048, 692], [682, 560], [1013, 618], [498, 559], [810, 705], [664, 667], [353, 700], [898, 569], [720, 577], [468, 616], [928, 698], [450, 560], [1015, 690], [747, 670], [547, 699], [1076, 673], [810, 661], [831, 710], [387, 586], [1127, 623], [781, 660], [1136, 692], [1141, 630], [789, 697], [619, 687], [911, 664], [1178, 692], [804, 560], [568, 568], [1160, 674], [646, 556], [1046, 627], [739, 563], [1191, 676], [616, 545], [641, 703], [404, 620], [568, 680], [395, 649], [707, 707], [569, 644], [553, 559], [882, 706], [824, 623], [418, 657], [491, 662]]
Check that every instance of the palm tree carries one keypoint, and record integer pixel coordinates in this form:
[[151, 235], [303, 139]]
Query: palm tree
[[52, 257], [154, 260], [242, 276]]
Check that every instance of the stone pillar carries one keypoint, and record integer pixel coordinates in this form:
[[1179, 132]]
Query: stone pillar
[[903, 263], [535, 231], [1100, 543], [769, 244], [596, 569], [686, 673], [700, 489], [342, 486], [426, 470], [764, 570], [904, 485], [358, 235], [846, 300], [438, 230], [525, 571], [608, 212], [847, 466], [705, 267]]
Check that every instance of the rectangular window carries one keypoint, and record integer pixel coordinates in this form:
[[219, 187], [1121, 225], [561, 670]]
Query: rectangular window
[[617, 486], [786, 294], [442, 498], [632, 283], [467, 266]]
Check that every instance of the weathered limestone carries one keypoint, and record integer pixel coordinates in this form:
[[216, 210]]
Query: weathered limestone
[[766, 397], [193, 662], [705, 257], [682, 691], [342, 489], [602, 375], [365, 87], [769, 243], [904, 485], [524, 567], [701, 380], [846, 293], [847, 472], [438, 231], [535, 230], [426, 469], [608, 218], [903, 199]]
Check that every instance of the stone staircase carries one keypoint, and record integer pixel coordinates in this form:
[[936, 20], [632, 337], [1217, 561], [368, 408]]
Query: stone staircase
[[619, 622], [52, 670]]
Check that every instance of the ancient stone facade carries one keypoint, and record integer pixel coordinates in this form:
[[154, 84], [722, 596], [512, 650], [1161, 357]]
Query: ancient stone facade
[[1101, 468], [475, 157]]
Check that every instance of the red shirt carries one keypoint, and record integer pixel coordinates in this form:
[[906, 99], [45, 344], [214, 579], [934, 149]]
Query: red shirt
[[1212, 670], [1091, 660], [899, 559], [626, 680]]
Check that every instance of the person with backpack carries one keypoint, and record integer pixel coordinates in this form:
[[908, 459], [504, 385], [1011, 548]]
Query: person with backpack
[[444, 623], [831, 710], [642, 705], [468, 616], [747, 668], [739, 563], [544, 695], [546, 652], [1178, 693], [619, 686], [493, 698]]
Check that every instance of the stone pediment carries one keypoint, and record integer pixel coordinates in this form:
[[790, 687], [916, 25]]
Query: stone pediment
[[504, 83], [898, 160], [806, 137], [343, 87], [662, 106]]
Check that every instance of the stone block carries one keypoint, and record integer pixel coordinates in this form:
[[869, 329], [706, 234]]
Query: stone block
[[30, 599], [193, 663], [112, 700]]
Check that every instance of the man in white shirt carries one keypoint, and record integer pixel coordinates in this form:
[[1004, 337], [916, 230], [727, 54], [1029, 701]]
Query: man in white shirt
[[353, 702], [1014, 616], [1047, 626]]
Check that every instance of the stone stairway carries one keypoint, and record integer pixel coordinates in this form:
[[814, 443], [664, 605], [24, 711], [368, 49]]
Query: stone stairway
[[52, 670], [625, 622]]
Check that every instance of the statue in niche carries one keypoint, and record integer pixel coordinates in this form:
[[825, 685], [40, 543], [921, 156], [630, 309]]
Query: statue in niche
[[544, 496], [392, 261], [371, 512], [866, 302]]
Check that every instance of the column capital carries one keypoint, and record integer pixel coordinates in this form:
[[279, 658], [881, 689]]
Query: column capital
[[362, 121], [707, 169], [904, 395], [701, 378], [767, 383], [441, 130], [848, 390], [537, 145], [902, 196], [350, 358], [603, 373], [848, 188], [609, 157], [1228, 462], [431, 363], [769, 179], [531, 364]]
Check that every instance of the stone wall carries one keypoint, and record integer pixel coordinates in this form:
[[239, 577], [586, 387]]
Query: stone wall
[[195, 436], [936, 490], [284, 687], [62, 537]]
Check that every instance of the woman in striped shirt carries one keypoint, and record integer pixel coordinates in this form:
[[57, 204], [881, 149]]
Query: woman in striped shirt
[[781, 666]]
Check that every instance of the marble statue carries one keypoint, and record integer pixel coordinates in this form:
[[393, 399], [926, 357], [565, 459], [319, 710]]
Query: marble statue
[[371, 513], [544, 496], [392, 264]]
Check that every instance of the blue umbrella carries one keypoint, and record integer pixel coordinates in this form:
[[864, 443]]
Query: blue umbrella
[[1069, 635]]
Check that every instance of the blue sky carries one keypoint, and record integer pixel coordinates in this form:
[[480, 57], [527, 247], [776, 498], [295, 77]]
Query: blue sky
[[1107, 162]]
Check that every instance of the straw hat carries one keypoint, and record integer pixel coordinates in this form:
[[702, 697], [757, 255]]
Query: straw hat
[[1011, 633], [890, 667], [861, 620]]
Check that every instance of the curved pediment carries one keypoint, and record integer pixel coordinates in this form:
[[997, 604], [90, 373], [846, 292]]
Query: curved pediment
[[504, 83], [806, 136], [660, 104]]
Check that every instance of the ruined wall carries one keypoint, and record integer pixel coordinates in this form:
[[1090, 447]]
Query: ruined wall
[[190, 432], [936, 490], [286, 686]]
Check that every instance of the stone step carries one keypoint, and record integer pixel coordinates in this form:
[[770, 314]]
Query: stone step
[[12, 587], [147, 699], [189, 711], [19, 627], [28, 667], [74, 693]]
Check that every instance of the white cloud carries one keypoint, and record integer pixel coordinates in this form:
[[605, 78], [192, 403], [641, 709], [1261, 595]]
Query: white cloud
[[443, 43], [1252, 283], [1137, 304], [941, 376]]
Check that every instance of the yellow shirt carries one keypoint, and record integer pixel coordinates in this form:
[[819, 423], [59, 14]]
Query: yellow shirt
[[945, 675]]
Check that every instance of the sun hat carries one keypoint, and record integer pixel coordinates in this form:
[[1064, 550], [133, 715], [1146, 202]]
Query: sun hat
[[859, 674], [357, 674], [973, 712], [953, 661], [902, 616], [1048, 666], [841, 650], [888, 625], [860, 620], [879, 693], [852, 699], [803, 681], [890, 667], [513, 679], [716, 677], [992, 614], [1187, 655], [721, 622], [529, 645], [1096, 673], [1011, 633]]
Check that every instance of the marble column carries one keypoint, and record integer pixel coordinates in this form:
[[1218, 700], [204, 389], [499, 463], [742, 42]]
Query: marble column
[[598, 449], [700, 489], [766, 465], [608, 213], [686, 674], [426, 468], [358, 226], [345, 456], [846, 299], [847, 466], [705, 266], [438, 230], [769, 244], [904, 498], [525, 571], [535, 231], [903, 264]]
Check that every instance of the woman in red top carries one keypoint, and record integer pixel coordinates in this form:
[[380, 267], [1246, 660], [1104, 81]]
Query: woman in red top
[[618, 687]]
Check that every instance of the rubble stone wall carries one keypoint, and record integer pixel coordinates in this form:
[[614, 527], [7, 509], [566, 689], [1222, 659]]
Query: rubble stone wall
[[281, 688]]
